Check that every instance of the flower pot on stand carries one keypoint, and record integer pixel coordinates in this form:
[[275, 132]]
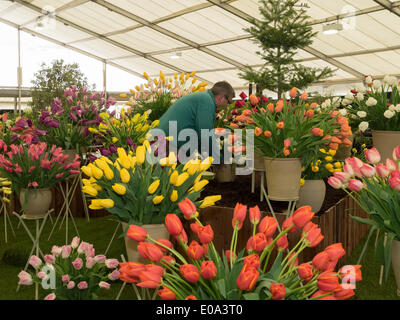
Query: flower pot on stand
[[312, 193], [225, 173], [396, 263], [343, 151], [258, 162], [156, 231], [385, 142], [38, 202], [283, 178]]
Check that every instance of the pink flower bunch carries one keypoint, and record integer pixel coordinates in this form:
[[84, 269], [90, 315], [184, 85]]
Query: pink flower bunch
[[76, 269], [36, 165]]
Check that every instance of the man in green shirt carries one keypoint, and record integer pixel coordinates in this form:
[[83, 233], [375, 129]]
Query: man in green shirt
[[189, 115]]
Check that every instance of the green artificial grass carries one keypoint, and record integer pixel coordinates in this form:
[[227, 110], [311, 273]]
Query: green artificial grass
[[99, 231]]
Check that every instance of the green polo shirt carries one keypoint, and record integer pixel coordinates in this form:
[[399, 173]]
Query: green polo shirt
[[194, 111]]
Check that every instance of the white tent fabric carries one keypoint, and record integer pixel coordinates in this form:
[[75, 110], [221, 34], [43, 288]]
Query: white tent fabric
[[139, 36]]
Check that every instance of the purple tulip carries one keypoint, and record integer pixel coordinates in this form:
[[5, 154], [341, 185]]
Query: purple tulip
[[85, 131], [129, 141], [73, 116], [113, 149]]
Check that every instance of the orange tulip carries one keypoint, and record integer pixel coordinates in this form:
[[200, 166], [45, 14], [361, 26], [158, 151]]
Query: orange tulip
[[288, 223], [250, 121], [347, 142], [314, 237], [327, 281], [150, 251], [228, 255], [257, 242], [247, 112], [239, 214], [268, 226], [247, 279], [136, 233], [293, 92], [232, 138], [268, 134], [279, 106], [286, 152], [313, 105], [292, 261], [220, 131], [343, 294], [173, 224], [188, 208], [182, 237], [309, 226], [335, 251], [168, 259], [286, 143], [282, 243], [233, 125], [304, 96], [305, 271], [317, 132], [166, 294], [254, 215], [258, 131], [278, 291], [335, 140], [251, 261], [190, 272], [253, 99], [333, 146], [195, 251], [310, 113], [321, 261], [164, 242], [280, 125], [149, 280], [270, 107], [191, 297], [352, 272], [302, 216], [129, 271], [206, 234], [208, 270]]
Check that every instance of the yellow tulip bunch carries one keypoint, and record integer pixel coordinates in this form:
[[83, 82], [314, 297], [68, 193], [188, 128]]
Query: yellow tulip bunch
[[139, 189], [6, 189], [321, 168], [158, 93], [126, 131]]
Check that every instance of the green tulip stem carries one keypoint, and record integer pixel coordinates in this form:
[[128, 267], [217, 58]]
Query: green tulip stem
[[234, 236], [176, 253], [292, 259], [271, 246]]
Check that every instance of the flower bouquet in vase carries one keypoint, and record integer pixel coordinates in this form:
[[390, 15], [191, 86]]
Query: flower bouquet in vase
[[289, 134], [375, 187], [32, 170], [266, 270], [142, 189], [376, 107], [71, 272]]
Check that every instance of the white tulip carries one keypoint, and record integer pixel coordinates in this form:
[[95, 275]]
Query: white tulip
[[360, 88], [368, 80], [349, 96], [376, 84], [360, 96], [392, 108], [363, 126], [371, 102], [343, 112], [388, 114], [397, 108], [361, 114], [328, 102], [345, 102], [323, 105]]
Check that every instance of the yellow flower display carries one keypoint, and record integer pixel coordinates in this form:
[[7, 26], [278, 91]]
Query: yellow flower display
[[322, 167]]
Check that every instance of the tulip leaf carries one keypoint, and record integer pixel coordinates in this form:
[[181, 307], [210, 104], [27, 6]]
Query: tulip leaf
[[221, 287], [388, 253], [276, 267], [251, 296], [364, 221]]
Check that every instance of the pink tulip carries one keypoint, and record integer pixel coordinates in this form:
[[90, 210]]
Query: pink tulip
[[342, 176], [390, 164], [382, 170], [83, 247], [100, 258], [25, 278], [82, 285], [75, 242], [56, 251], [104, 285], [71, 285], [111, 263], [355, 164], [355, 185], [90, 262], [49, 258], [335, 182], [51, 296], [114, 275], [41, 275], [372, 155], [77, 263], [35, 262], [65, 251], [367, 171], [396, 153], [65, 278], [394, 183]]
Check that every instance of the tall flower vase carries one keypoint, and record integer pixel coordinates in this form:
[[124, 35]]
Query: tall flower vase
[[225, 173], [396, 263], [312, 193], [283, 178], [385, 142], [156, 231], [37, 204]]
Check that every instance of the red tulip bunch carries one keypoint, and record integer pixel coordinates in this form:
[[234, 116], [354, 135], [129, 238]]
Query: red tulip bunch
[[201, 273], [375, 186]]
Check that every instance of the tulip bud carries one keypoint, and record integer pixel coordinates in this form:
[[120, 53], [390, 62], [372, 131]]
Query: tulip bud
[[254, 215], [208, 270], [382, 170], [173, 224], [278, 291], [372, 155], [190, 272], [396, 153], [136, 233], [355, 185]]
